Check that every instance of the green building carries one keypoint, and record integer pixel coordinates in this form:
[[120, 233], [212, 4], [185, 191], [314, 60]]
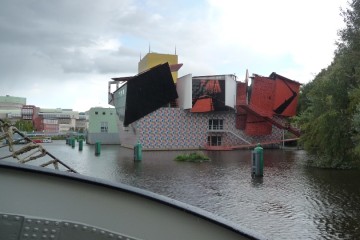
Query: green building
[[10, 107], [12, 102], [103, 126]]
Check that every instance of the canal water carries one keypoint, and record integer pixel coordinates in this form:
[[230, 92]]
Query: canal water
[[291, 201]]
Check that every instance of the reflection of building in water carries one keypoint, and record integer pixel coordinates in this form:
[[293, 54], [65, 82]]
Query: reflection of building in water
[[212, 112]]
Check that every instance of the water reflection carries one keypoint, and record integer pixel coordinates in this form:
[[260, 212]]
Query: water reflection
[[335, 196], [291, 201], [257, 182]]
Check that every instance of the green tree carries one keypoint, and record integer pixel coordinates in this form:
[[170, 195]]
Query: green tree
[[24, 125], [329, 110], [349, 47], [326, 121]]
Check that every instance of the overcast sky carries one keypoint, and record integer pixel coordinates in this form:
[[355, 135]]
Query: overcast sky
[[62, 53]]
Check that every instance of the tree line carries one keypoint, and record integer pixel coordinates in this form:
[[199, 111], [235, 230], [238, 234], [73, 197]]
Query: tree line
[[329, 105]]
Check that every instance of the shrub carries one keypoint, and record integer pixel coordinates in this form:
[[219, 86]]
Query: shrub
[[192, 157]]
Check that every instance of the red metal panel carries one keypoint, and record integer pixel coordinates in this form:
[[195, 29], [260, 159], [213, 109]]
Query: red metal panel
[[241, 121], [262, 95], [203, 105], [269, 95], [257, 126], [241, 93], [286, 97]]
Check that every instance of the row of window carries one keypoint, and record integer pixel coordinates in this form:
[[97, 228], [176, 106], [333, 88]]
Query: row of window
[[13, 115], [216, 124], [64, 121], [104, 127], [50, 121], [55, 115], [103, 113], [27, 111], [214, 140]]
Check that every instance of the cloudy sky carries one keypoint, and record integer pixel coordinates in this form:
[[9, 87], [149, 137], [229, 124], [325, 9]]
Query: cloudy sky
[[63, 53]]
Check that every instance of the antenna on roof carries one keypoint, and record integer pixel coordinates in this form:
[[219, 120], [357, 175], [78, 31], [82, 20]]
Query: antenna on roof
[[149, 47], [140, 56], [247, 85], [246, 77], [175, 49]]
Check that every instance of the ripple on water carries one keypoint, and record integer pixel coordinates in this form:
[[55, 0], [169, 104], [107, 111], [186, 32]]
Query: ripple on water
[[289, 202]]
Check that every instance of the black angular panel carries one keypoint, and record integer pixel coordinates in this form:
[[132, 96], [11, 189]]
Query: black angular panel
[[149, 91]]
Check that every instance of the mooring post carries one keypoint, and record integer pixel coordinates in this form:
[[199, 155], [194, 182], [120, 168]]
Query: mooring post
[[80, 144], [257, 161], [138, 152], [97, 148]]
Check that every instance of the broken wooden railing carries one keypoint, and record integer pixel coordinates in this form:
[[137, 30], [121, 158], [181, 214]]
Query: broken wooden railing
[[24, 150]]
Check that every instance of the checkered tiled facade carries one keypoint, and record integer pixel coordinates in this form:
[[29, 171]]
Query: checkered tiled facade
[[174, 128]]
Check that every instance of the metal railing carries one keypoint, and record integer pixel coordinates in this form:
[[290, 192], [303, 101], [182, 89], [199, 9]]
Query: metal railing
[[228, 131]]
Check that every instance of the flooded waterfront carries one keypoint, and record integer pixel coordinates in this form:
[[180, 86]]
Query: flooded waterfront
[[291, 201]]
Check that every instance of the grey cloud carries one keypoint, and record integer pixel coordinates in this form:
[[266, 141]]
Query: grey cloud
[[115, 64], [55, 42], [50, 28]]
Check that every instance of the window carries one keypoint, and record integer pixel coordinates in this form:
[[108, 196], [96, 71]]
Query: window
[[214, 140], [104, 127], [103, 113], [216, 124], [96, 113]]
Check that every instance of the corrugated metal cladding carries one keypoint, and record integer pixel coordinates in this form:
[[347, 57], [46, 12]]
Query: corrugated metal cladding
[[241, 99], [269, 96], [257, 126], [262, 95], [241, 120], [286, 97], [241, 93]]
